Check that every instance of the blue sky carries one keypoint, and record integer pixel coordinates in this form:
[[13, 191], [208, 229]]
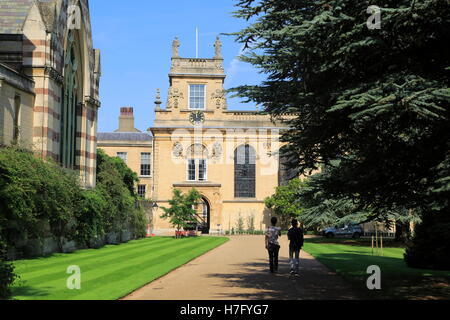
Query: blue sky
[[135, 38]]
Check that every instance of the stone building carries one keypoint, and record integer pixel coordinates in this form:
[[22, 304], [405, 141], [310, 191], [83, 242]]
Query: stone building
[[49, 81], [132, 146], [230, 157]]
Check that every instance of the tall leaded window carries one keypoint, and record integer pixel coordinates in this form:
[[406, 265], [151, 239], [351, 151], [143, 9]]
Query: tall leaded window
[[197, 96], [245, 172], [146, 164], [68, 138]]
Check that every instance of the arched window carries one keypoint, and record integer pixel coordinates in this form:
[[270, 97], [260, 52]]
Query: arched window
[[68, 138], [245, 172]]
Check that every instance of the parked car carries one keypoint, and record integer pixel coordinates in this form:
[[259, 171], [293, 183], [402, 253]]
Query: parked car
[[352, 230]]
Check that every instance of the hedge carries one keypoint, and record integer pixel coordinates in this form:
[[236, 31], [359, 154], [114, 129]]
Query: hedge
[[40, 199]]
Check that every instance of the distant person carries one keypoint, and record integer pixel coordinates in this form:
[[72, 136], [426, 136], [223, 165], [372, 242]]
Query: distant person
[[272, 245], [295, 236]]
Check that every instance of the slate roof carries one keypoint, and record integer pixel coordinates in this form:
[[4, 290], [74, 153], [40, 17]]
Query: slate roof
[[13, 14], [124, 136]]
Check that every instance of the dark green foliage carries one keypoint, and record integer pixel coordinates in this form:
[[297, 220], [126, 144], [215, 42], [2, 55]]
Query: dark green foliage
[[429, 246], [285, 204], [128, 176], [37, 197], [40, 199], [91, 221], [113, 205], [7, 276], [181, 211], [376, 100], [323, 209]]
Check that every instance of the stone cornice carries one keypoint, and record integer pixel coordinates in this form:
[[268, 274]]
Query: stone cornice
[[197, 184], [196, 66], [55, 75], [91, 101], [15, 79]]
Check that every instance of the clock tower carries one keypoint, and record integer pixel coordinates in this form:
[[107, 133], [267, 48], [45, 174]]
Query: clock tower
[[199, 143], [196, 96]]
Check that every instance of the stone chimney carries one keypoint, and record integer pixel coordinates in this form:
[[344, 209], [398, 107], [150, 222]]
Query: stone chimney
[[126, 120]]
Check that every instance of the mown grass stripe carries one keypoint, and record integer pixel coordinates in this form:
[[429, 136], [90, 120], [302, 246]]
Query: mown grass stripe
[[110, 263], [147, 267], [64, 263], [113, 274], [84, 254]]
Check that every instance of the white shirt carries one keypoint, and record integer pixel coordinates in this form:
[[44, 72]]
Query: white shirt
[[273, 233]]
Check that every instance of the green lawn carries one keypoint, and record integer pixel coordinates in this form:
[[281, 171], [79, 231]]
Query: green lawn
[[110, 272], [350, 258]]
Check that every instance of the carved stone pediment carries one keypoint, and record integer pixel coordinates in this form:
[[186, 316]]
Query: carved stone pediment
[[216, 151], [219, 99], [197, 150], [177, 150], [174, 98]]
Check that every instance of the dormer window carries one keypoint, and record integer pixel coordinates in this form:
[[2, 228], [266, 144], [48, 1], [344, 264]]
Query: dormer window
[[197, 96]]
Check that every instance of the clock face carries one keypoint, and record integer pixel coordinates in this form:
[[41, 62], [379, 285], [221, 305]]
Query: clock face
[[197, 117]]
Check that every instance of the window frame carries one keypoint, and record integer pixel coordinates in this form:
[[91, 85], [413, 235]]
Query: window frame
[[187, 170], [204, 96], [145, 190], [250, 166], [126, 156], [197, 170], [147, 164]]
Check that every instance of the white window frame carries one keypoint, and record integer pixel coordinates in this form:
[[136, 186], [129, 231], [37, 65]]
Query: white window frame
[[189, 96], [187, 169], [126, 156], [197, 170], [205, 178], [151, 165]]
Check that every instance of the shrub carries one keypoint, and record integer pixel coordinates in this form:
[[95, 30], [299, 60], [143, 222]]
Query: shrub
[[35, 194], [240, 225], [90, 217], [7, 275], [251, 224]]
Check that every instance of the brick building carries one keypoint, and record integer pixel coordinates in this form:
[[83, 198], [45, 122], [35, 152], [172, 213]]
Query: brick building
[[49, 81]]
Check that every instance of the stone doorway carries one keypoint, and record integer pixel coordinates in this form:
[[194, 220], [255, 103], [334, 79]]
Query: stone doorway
[[204, 216]]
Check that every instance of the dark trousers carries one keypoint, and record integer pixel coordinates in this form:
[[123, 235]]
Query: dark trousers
[[273, 256]]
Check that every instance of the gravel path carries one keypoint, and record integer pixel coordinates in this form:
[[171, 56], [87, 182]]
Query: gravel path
[[238, 270]]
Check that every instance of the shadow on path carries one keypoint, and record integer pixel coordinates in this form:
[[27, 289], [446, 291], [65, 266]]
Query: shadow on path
[[311, 284]]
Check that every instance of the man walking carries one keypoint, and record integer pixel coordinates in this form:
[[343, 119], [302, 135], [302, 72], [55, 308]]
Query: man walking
[[295, 236], [272, 245]]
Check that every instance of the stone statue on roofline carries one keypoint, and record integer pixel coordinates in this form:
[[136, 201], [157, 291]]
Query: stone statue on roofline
[[175, 46], [218, 48]]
